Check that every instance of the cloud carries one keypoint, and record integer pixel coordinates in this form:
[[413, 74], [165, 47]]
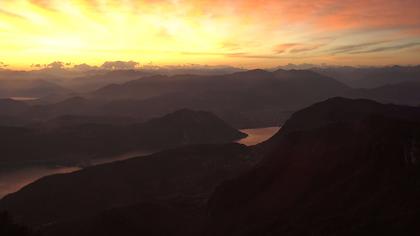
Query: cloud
[[306, 48], [38, 65], [267, 56], [11, 14], [53, 66], [56, 65], [388, 48], [45, 4], [355, 47], [254, 56], [296, 47], [234, 55], [3, 65], [120, 65], [230, 45], [282, 48], [108, 65], [84, 67], [166, 31]]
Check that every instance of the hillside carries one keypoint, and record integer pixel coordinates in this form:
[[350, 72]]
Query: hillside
[[341, 167], [81, 141]]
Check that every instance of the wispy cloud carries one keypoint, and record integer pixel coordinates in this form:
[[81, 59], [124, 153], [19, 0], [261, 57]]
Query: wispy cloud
[[283, 48], [306, 48], [388, 48], [355, 47], [11, 14], [296, 48], [3, 65]]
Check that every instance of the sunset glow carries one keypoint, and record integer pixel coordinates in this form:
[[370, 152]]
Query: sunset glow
[[250, 33]]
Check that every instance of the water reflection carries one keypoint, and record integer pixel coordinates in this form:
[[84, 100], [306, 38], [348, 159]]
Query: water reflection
[[256, 136], [24, 98], [12, 180]]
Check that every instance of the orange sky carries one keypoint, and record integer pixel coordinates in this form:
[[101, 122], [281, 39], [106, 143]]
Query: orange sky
[[251, 33]]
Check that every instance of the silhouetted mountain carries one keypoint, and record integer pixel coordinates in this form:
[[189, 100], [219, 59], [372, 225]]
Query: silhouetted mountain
[[140, 89], [70, 106], [75, 120], [372, 77], [157, 86], [9, 228], [244, 99], [29, 88], [183, 217], [336, 110], [404, 93], [100, 78], [254, 98], [10, 112], [163, 189], [84, 141], [12, 107], [340, 167]]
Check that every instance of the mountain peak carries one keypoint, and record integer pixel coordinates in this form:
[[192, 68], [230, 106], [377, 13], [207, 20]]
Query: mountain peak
[[345, 163], [255, 73], [340, 109]]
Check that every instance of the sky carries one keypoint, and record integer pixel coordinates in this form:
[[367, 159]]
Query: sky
[[245, 33]]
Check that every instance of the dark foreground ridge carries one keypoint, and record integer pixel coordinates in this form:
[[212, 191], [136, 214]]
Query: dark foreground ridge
[[339, 167], [173, 181]]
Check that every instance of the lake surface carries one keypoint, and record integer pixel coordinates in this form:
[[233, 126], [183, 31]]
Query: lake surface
[[24, 98], [259, 135], [13, 179]]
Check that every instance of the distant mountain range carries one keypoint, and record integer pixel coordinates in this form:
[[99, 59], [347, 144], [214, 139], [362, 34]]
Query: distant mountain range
[[372, 77], [55, 83], [31, 88], [246, 99], [339, 167]]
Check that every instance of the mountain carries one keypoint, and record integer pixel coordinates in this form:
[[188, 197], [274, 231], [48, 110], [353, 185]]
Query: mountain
[[84, 141], [340, 167], [155, 192], [100, 78], [29, 88], [180, 217], [156, 86], [10, 107], [404, 93], [372, 77], [252, 98], [10, 228], [245, 99], [140, 89]]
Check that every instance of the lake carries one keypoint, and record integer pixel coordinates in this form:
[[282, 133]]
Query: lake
[[11, 180], [259, 135], [24, 98]]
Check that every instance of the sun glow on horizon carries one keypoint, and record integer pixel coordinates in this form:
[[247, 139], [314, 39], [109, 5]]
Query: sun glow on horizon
[[236, 32]]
